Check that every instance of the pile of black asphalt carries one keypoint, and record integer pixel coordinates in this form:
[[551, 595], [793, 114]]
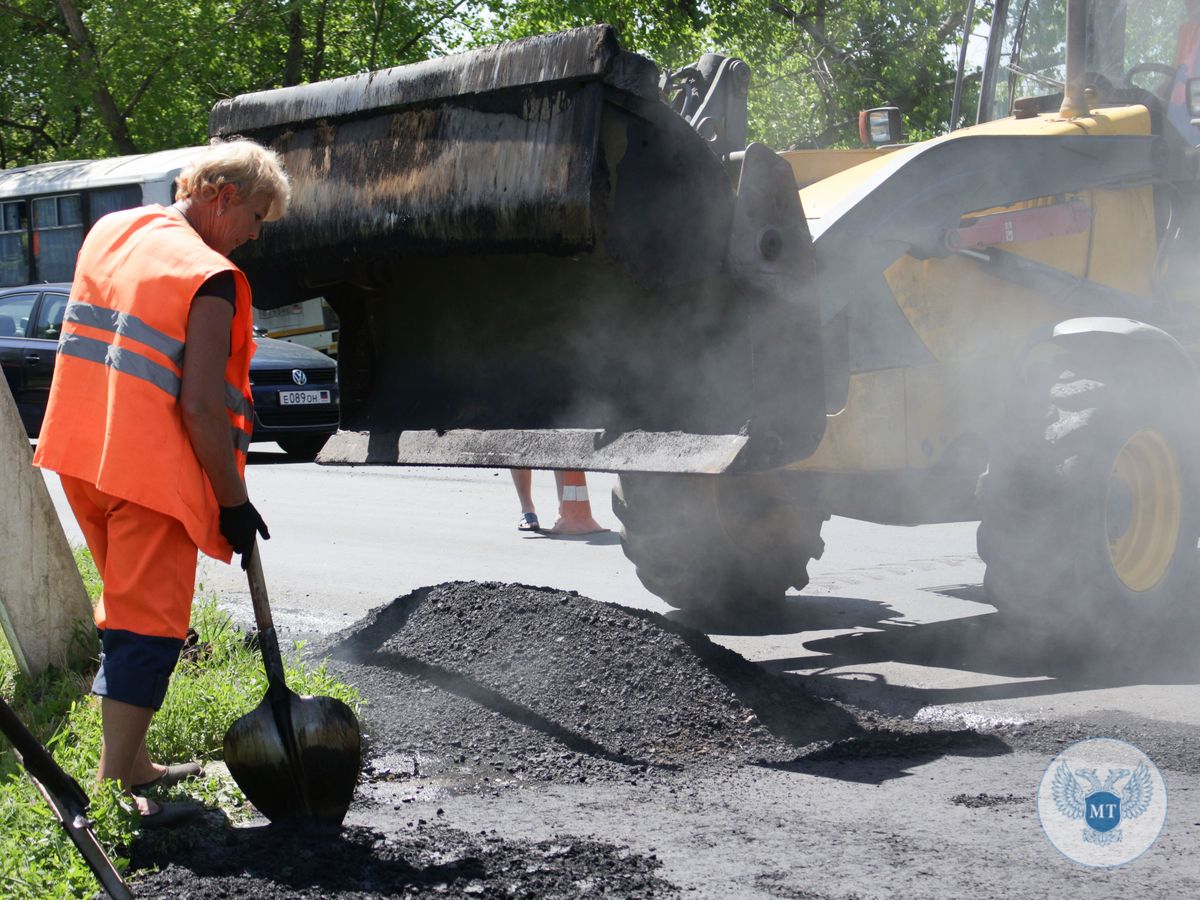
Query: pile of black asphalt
[[279, 862], [489, 688], [540, 684]]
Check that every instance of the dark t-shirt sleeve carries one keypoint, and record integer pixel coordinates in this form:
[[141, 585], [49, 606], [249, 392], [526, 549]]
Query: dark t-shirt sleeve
[[220, 285]]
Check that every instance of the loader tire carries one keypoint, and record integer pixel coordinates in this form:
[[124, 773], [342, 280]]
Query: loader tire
[[720, 544], [1089, 505]]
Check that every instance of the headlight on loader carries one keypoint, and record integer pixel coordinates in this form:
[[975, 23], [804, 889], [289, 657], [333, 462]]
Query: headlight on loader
[[880, 126]]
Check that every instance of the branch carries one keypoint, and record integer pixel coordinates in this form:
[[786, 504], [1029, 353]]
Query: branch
[[379, 11], [409, 44], [293, 58], [37, 130], [784, 10], [951, 27], [248, 13], [833, 130], [145, 85], [45, 24], [21, 14], [318, 57], [114, 122], [23, 126], [804, 20]]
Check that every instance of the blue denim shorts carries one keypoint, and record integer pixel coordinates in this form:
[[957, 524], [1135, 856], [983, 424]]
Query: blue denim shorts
[[135, 668]]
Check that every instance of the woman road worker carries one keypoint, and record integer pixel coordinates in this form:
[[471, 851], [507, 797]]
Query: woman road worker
[[148, 424]]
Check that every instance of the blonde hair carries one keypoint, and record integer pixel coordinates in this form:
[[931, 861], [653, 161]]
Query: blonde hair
[[250, 167]]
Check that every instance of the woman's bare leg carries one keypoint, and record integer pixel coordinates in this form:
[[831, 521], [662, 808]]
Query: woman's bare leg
[[523, 481], [124, 746]]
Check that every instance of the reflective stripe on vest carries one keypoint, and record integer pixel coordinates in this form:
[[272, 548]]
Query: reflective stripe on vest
[[128, 361], [236, 403], [126, 325]]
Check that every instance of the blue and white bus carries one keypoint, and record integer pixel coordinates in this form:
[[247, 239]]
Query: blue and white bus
[[46, 209]]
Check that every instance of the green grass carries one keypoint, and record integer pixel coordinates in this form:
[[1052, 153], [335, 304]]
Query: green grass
[[209, 690], [91, 578]]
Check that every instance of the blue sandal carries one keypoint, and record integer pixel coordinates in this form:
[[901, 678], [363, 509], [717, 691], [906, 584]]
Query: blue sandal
[[528, 522]]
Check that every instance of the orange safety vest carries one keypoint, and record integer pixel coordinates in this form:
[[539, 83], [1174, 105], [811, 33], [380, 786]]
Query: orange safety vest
[[113, 417]]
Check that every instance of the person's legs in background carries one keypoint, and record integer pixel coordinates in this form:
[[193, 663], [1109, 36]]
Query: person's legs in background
[[560, 478], [523, 482]]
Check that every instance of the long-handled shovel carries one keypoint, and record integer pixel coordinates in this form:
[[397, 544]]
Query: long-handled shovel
[[66, 798], [294, 757]]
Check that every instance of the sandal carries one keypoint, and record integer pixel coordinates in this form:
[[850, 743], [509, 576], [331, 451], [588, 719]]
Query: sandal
[[528, 522], [171, 813], [172, 776]]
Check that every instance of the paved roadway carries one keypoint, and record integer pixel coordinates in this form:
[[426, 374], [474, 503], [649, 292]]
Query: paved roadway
[[891, 620], [893, 616]]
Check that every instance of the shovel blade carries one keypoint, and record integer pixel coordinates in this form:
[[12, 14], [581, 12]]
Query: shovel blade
[[305, 768]]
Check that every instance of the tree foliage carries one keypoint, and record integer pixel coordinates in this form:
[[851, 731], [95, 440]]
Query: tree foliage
[[815, 62], [86, 78], [90, 78]]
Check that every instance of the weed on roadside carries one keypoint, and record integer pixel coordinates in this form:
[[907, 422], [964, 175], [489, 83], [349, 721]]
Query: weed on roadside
[[219, 679]]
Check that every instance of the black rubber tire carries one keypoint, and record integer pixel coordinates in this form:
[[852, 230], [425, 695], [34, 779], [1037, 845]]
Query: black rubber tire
[[303, 446], [719, 544], [1093, 457]]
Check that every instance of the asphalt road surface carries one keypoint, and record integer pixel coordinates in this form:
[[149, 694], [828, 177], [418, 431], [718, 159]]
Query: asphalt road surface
[[891, 613], [892, 621]]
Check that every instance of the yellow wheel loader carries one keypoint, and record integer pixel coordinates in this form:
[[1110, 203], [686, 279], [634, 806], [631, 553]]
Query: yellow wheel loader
[[549, 254]]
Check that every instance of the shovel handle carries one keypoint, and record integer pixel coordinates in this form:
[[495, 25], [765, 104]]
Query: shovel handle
[[258, 591], [268, 642]]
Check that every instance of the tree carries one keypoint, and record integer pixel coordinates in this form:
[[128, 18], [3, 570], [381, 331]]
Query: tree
[[101, 77], [815, 62], [87, 78]]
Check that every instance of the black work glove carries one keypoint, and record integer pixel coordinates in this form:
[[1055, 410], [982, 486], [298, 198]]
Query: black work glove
[[239, 525]]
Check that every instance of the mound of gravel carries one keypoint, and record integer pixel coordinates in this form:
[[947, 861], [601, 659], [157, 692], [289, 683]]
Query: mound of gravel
[[525, 682], [272, 862]]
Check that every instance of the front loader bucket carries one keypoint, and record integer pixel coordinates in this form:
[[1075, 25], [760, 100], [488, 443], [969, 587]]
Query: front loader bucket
[[536, 262]]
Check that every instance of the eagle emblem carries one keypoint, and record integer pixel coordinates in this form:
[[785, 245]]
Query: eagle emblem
[[1098, 803]]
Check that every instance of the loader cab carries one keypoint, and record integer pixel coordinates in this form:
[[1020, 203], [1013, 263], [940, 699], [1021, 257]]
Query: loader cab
[[1137, 52]]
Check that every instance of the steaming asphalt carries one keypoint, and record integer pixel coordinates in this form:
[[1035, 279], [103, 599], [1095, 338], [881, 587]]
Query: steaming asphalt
[[893, 617]]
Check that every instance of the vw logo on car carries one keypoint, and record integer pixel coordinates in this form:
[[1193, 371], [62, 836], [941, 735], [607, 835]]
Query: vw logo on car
[[299, 377]]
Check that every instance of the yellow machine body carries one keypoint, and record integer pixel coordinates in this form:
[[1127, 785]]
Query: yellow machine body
[[972, 322]]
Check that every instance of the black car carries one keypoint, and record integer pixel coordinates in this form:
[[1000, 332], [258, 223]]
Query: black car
[[295, 396], [295, 388]]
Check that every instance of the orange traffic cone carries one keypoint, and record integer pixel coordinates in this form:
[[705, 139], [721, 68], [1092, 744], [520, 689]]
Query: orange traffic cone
[[574, 509]]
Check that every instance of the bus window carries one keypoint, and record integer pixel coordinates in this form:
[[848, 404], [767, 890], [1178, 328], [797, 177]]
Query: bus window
[[14, 244], [57, 235], [101, 203]]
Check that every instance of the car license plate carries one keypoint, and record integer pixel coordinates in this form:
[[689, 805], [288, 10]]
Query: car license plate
[[302, 398]]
